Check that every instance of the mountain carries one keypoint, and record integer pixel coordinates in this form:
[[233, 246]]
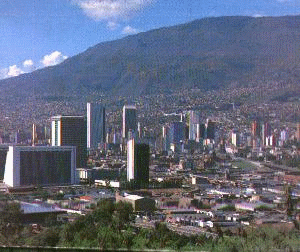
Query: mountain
[[210, 53]]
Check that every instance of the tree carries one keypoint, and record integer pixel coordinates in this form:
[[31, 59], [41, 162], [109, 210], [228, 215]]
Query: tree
[[128, 237], [48, 237], [10, 222], [107, 237], [123, 214], [104, 212], [289, 205]]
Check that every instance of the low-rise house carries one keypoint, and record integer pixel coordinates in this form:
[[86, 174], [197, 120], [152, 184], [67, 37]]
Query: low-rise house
[[138, 203]]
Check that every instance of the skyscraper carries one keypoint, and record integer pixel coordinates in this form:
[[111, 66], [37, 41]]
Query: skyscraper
[[165, 138], [95, 125], [255, 129], [298, 131], [265, 132], [39, 134], [138, 163], [177, 132], [210, 129], [129, 120], [194, 125], [70, 131]]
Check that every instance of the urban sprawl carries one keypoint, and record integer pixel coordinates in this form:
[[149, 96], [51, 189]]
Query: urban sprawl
[[214, 165]]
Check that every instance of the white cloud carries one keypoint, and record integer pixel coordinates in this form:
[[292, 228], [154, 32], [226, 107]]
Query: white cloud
[[29, 66], [112, 25], [112, 10], [14, 71], [129, 30], [28, 63], [258, 15], [11, 71], [53, 59]]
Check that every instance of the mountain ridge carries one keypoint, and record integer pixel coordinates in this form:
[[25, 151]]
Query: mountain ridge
[[210, 53]]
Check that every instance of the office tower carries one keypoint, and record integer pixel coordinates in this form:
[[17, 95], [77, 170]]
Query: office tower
[[194, 125], [298, 131], [210, 129], [202, 130], [176, 132], [40, 165], [265, 132], [284, 136], [271, 141], [234, 138], [139, 129], [39, 134], [255, 132], [129, 120], [255, 129], [138, 156], [34, 134], [176, 136], [70, 131], [3, 154], [95, 125], [166, 138]]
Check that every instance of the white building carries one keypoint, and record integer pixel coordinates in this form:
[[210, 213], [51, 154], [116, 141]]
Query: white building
[[130, 160]]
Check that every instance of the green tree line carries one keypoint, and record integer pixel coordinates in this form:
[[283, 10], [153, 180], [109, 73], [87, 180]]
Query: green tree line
[[109, 227]]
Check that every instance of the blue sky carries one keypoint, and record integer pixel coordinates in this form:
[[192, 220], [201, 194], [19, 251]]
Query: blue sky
[[41, 33]]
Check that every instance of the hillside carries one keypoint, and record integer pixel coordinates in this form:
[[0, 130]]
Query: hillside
[[210, 53]]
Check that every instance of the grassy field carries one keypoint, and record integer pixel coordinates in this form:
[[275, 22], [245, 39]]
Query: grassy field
[[243, 164]]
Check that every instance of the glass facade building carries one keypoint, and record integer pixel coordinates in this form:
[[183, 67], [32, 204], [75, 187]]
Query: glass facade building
[[40, 165], [129, 120], [95, 125], [71, 131]]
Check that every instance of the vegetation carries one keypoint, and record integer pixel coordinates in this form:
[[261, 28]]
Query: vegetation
[[243, 164], [10, 223], [109, 227], [228, 208]]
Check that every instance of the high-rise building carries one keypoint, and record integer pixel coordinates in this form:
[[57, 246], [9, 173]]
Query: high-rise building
[[95, 125], [177, 132], [70, 131], [3, 154], [265, 132], [129, 120], [234, 138], [194, 125], [298, 131], [40, 165], [165, 138], [210, 129], [202, 130], [39, 134], [138, 163], [255, 129]]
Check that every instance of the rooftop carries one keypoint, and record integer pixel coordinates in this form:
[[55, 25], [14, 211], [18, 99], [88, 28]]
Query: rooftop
[[133, 197]]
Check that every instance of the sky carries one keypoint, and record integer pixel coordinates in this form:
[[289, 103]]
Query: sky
[[43, 33]]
